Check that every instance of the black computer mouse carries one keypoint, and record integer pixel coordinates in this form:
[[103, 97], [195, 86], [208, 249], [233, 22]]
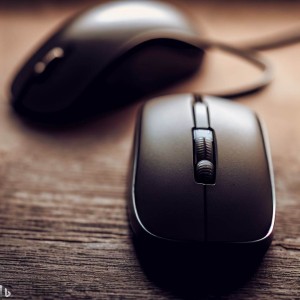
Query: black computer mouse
[[202, 173], [104, 58]]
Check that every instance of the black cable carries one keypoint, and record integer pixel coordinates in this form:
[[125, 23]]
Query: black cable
[[248, 51], [285, 38], [251, 56]]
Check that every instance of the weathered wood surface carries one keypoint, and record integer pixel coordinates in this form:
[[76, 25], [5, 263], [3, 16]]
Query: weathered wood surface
[[63, 226]]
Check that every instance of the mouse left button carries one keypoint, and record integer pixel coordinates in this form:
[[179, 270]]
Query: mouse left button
[[169, 204]]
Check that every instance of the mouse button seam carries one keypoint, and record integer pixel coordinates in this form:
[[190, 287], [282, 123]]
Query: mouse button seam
[[205, 102], [205, 214], [201, 115], [193, 102], [154, 34]]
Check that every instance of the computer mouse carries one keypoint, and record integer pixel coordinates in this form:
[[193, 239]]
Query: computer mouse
[[104, 58], [202, 173]]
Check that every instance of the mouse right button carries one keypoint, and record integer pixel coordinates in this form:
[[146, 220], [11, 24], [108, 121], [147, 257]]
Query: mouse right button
[[240, 205]]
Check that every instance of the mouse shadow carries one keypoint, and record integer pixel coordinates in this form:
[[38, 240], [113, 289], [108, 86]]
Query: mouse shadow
[[93, 129], [191, 272]]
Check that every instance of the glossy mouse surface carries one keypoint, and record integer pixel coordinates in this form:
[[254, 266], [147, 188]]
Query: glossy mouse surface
[[202, 173], [104, 58]]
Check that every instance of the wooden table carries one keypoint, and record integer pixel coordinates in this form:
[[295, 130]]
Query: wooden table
[[63, 225]]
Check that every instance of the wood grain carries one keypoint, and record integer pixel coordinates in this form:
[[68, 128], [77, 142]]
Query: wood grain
[[63, 226]]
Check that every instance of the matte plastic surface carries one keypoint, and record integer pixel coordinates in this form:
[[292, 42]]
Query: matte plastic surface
[[169, 203], [240, 204]]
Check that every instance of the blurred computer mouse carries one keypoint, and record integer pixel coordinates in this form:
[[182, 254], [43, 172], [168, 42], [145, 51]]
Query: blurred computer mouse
[[202, 173], [104, 58]]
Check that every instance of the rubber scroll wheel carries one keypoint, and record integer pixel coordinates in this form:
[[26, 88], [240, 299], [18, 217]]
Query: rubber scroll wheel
[[204, 149], [205, 171]]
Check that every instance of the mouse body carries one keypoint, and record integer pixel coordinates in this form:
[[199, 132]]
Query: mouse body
[[104, 58], [202, 173]]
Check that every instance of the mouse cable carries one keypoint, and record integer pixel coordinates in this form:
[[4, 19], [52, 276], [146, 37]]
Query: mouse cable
[[282, 39], [252, 57], [248, 51]]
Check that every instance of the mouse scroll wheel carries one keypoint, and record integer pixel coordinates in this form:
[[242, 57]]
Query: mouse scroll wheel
[[49, 60], [204, 148], [204, 156], [205, 170]]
